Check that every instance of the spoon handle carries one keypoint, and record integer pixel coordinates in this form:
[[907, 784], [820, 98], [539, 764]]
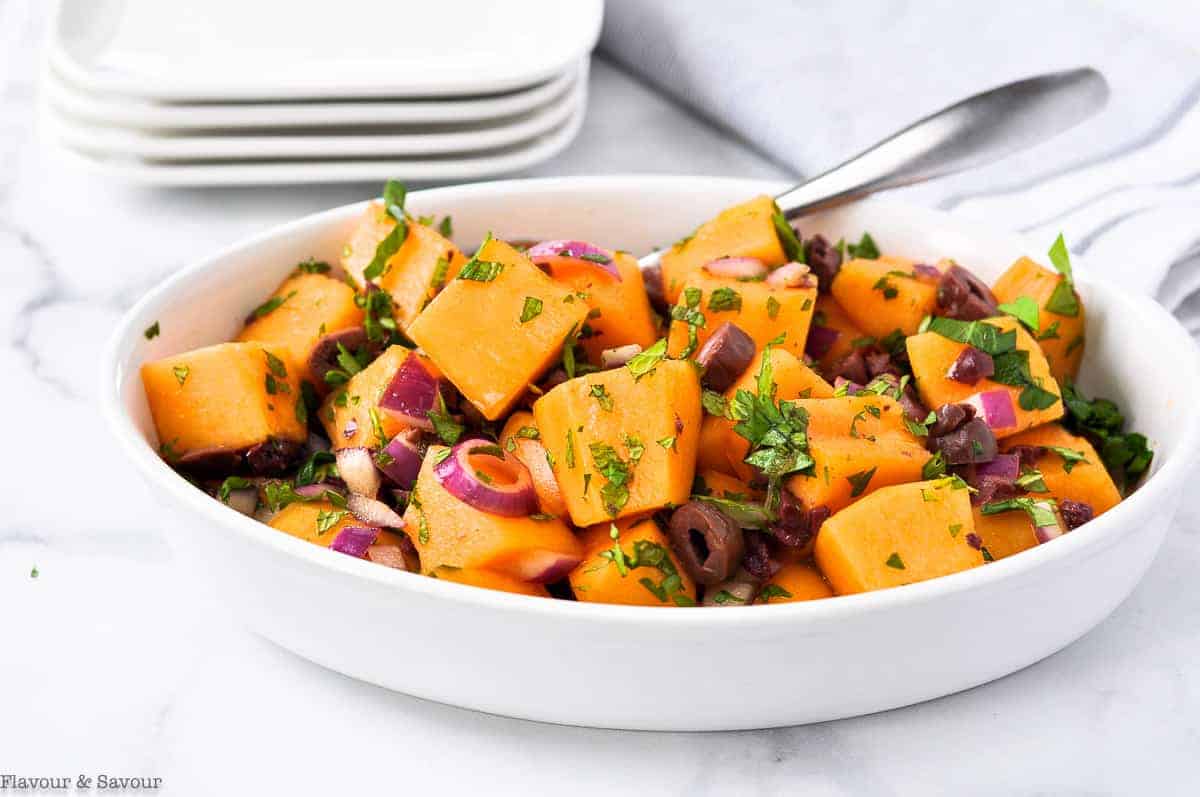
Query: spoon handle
[[970, 133]]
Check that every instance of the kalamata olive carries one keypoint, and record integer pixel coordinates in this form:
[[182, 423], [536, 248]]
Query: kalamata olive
[[971, 442], [655, 291], [757, 559], [970, 366], [708, 542], [914, 409], [725, 356], [209, 462], [993, 488], [949, 417], [879, 362], [964, 296], [324, 356], [1075, 513], [791, 526], [824, 259], [273, 457], [1028, 455], [853, 367]]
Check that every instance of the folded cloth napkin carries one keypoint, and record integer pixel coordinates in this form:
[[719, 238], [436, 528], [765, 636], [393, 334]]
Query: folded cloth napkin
[[809, 85]]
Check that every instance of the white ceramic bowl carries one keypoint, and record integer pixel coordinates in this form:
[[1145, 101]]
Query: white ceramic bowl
[[647, 668]]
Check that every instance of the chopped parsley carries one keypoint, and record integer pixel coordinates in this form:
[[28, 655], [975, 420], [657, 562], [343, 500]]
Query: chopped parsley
[[271, 305], [889, 290], [1063, 301], [865, 249], [714, 403], [437, 280], [1024, 310], [1126, 455], [532, 309], [152, 331], [617, 473], [859, 481], [644, 362], [1070, 457], [600, 393], [894, 561], [667, 443], [773, 591], [570, 450], [327, 520], [1040, 510], [313, 266], [181, 373], [723, 299], [230, 484], [725, 597], [934, 467], [445, 426], [788, 240], [689, 313], [1031, 481], [773, 307]]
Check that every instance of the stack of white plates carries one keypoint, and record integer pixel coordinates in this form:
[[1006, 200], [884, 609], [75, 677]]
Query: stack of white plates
[[231, 92]]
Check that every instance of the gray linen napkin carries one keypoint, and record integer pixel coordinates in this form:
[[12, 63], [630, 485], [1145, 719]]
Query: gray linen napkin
[[811, 84]]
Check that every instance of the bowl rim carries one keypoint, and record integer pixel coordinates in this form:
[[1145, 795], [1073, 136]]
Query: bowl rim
[[118, 356]]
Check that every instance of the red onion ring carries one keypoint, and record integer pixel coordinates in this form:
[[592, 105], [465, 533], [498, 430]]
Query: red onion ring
[[411, 393], [995, 407], [356, 466], [737, 267], [790, 275], [374, 513], [545, 567], [354, 540], [548, 254], [405, 459], [510, 495]]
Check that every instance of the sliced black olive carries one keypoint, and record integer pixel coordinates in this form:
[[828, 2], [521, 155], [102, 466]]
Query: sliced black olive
[[653, 279], [273, 457], [824, 259], [708, 543], [1075, 513], [324, 356], [964, 296], [970, 443], [725, 356]]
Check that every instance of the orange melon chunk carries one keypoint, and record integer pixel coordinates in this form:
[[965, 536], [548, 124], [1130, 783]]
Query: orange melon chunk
[[932, 355], [473, 331], [319, 522], [1060, 336], [610, 427], [1087, 481], [864, 416], [745, 230], [762, 311], [795, 581], [881, 296], [722, 485], [645, 572], [450, 532], [898, 535], [522, 438], [846, 469], [226, 397], [1004, 533], [305, 308], [351, 414], [619, 311], [476, 577]]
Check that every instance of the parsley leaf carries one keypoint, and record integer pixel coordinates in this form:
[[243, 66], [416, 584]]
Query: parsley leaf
[[1060, 258], [644, 362], [865, 249], [532, 309], [723, 299], [1025, 310], [788, 240], [152, 331], [615, 493]]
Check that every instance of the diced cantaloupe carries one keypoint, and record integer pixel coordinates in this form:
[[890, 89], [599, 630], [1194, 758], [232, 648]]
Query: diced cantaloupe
[[884, 295], [320, 521], [621, 444], [226, 397], [1087, 481], [1060, 336], [898, 535], [448, 531], [636, 569], [619, 310], [846, 469], [795, 581], [351, 414], [745, 230], [721, 485], [497, 327], [487, 579], [299, 313], [763, 311], [931, 356], [1004, 533], [865, 415]]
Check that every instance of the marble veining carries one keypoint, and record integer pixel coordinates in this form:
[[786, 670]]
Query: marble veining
[[112, 663]]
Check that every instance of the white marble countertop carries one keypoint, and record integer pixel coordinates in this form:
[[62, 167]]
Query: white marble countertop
[[113, 664]]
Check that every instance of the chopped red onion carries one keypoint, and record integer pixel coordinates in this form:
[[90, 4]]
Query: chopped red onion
[[616, 357], [852, 388], [356, 466], [790, 275], [544, 567], [317, 490], [970, 366], [507, 489], [244, 500], [402, 459], [392, 556], [412, 393], [995, 407], [820, 340], [374, 513], [1051, 530], [354, 540], [548, 253], [737, 267]]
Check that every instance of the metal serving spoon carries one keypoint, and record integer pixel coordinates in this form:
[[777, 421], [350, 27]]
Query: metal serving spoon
[[978, 130]]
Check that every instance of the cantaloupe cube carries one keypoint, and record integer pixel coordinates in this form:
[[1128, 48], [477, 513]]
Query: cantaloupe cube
[[795, 581], [762, 311], [1004, 533], [450, 532], [792, 378], [884, 295], [620, 444], [476, 577], [931, 356], [351, 414], [1061, 336], [847, 468], [865, 415], [226, 397], [419, 269], [745, 230], [619, 311], [636, 569], [300, 312], [320, 521], [721, 485], [898, 535], [1087, 481], [497, 327]]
